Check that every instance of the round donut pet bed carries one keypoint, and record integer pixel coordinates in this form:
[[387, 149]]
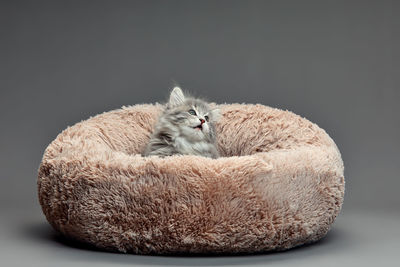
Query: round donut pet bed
[[278, 184]]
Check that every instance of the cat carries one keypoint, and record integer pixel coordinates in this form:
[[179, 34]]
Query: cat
[[186, 127]]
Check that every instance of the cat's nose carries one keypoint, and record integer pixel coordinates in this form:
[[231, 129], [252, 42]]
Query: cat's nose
[[202, 121]]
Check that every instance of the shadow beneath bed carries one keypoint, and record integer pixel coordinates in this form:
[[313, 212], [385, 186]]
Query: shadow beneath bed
[[44, 233]]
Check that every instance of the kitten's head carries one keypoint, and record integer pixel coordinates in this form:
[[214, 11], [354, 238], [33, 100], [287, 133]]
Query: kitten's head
[[194, 117]]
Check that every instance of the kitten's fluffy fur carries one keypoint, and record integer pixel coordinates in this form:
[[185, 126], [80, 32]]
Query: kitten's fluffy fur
[[186, 126]]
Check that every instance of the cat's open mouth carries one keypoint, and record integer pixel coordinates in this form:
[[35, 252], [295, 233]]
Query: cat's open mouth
[[200, 127]]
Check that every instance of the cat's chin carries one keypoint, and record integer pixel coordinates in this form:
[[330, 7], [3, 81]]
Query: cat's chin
[[194, 134], [189, 131], [198, 130]]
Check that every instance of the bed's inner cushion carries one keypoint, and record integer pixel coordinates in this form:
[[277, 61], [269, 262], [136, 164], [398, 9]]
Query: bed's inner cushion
[[242, 129]]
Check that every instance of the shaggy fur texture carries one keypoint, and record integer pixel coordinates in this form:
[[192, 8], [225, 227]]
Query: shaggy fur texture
[[278, 184]]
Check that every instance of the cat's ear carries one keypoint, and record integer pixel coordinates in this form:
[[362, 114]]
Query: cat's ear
[[176, 98], [215, 114]]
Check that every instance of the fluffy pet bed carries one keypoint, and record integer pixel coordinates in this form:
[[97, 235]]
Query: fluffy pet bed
[[278, 184]]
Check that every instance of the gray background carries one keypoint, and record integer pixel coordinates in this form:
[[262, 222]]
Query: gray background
[[337, 63]]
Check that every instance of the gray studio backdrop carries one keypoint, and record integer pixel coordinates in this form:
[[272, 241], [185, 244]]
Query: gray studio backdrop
[[334, 62]]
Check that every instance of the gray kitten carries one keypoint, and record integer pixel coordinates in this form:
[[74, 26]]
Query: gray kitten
[[186, 126]]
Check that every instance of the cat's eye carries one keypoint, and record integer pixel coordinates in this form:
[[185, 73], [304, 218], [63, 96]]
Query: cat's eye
[[192, 112], [206, 117]]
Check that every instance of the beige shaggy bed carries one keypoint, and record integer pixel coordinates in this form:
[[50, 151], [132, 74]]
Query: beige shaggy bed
[[278, 184]]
